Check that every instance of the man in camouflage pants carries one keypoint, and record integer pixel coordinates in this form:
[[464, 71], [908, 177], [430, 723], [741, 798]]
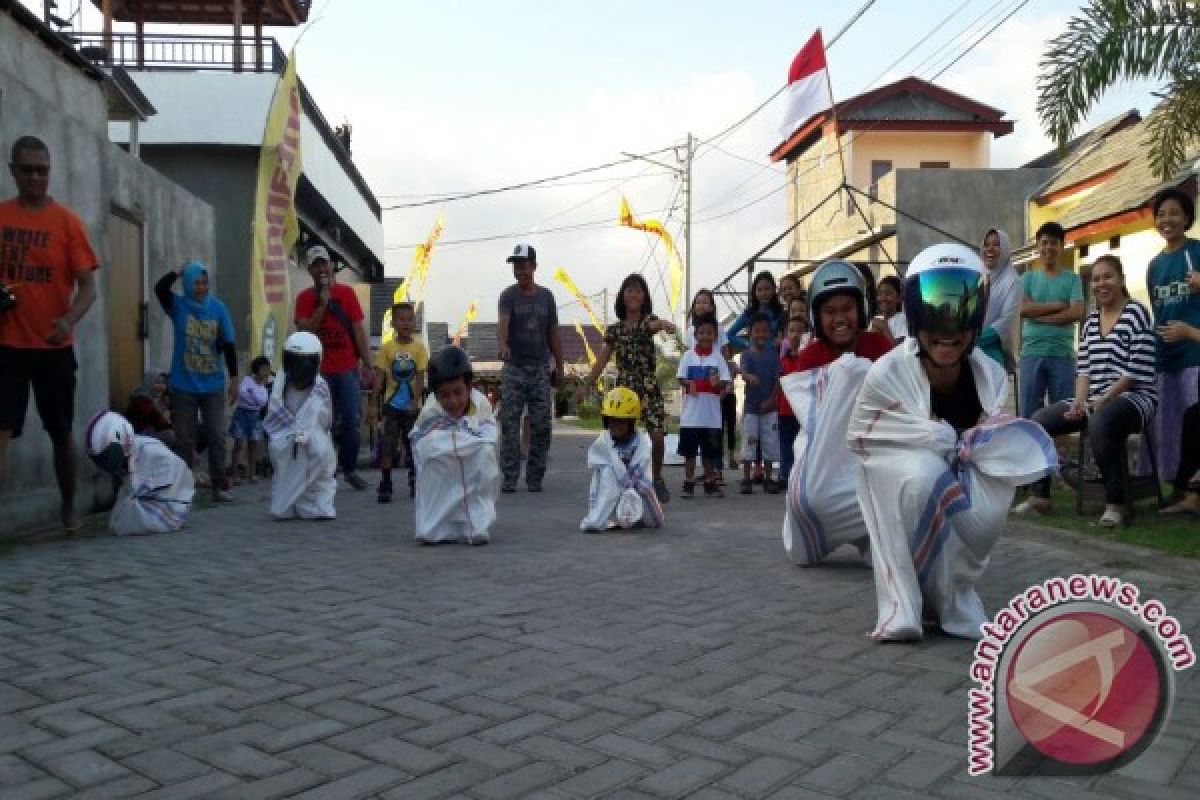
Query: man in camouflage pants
[[528, 335]]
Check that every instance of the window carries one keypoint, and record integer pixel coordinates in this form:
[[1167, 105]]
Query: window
[[935, 165], [1114, 243], [879, 168], [1083, 251]]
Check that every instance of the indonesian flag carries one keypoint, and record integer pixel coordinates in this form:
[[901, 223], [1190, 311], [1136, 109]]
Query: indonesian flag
[[808, 86]]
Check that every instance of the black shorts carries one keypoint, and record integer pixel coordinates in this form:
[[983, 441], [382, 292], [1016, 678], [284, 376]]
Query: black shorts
[[51, 372], [707, 441]]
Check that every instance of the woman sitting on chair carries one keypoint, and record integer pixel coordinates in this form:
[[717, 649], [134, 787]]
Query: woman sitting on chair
[[1115, 392]]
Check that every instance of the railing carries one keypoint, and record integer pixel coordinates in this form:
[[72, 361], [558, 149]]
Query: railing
[[182, 51]]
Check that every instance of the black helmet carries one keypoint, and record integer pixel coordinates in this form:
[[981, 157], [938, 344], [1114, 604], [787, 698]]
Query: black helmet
[[448, 365]]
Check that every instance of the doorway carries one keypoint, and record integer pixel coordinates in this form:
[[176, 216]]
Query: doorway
[[127, 324]]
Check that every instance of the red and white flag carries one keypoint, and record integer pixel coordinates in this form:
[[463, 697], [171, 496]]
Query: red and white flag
[[808, 86]]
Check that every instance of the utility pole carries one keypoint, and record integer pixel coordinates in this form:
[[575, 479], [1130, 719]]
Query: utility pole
[[687, 229], [605, 309]]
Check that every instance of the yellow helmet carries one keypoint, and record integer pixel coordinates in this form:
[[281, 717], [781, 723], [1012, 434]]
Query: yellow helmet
[[621, 403]]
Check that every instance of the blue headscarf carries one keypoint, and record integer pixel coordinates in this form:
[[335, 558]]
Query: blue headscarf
[[191, 271]]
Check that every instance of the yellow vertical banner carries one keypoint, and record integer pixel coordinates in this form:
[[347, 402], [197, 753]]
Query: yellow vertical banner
[[468, 318], [275, 225], [591, 357], [417, 275], [562, 277], [674, 263]]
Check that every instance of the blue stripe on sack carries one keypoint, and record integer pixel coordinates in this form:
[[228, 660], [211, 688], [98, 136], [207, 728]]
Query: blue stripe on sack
[[945, 499]]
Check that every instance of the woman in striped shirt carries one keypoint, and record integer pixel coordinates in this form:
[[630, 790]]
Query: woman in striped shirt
[[1115, 391]]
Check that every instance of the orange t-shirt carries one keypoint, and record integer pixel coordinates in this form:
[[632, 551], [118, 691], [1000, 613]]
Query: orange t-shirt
[[42, 252]]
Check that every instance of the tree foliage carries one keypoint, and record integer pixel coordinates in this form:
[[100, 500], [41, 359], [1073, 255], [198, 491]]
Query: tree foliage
[[1114, 40]]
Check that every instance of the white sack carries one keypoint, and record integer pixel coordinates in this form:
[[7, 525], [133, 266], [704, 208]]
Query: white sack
[[822, 511], [302, 454], [613, 484], [156, 495], [934, 504], [458, 477]]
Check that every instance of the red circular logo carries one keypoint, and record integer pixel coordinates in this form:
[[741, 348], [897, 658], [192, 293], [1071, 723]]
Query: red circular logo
[[1084, 688]]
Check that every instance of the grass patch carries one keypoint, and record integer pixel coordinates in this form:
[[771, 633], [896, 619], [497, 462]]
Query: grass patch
[[1178, 535]]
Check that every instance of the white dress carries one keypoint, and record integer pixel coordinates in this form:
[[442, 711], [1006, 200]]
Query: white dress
[[620, 495], [157, 494], [822, 512], [302, 451], [458, 476], [935, 502]]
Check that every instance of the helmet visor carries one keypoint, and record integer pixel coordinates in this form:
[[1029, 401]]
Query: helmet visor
[[951, 300], [111, 459]]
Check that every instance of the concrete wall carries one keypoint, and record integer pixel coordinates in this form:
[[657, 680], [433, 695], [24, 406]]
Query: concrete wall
[[42, 95], [907, 150], [963, 202]]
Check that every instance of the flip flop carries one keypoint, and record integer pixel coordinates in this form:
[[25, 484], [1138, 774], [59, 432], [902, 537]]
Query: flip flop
[[1111, 519]]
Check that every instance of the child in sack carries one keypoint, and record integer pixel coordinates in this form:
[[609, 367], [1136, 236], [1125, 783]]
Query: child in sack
[[299, 416], [454, 449], [622, 489]]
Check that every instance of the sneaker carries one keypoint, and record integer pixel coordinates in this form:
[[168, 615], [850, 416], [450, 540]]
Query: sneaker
[[508, 486], [1033, 505], [688, 490], [660, 490], [356, 480], [385, 492], [711, 489], [747, 486]]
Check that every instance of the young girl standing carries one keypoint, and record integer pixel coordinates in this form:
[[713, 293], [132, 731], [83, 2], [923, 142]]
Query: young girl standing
[[763, 299], [631, 338]]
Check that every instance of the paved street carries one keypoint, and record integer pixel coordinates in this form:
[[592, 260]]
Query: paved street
[[250, 659]]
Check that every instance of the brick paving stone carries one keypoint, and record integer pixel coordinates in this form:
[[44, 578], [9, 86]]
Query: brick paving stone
[[514, 669], [120, 789]]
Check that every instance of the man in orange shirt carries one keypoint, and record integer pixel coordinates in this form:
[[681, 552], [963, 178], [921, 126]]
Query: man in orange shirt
[[47, 268]]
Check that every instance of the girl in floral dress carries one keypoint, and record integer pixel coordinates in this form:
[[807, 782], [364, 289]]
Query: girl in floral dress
[[631, 339]]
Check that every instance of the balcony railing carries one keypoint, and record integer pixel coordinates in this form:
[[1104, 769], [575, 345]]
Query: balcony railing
[[182, 51]]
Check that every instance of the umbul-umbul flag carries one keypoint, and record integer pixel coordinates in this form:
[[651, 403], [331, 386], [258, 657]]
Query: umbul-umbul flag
[[808, 86]]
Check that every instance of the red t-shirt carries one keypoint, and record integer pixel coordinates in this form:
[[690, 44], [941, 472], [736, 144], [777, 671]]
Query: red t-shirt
[[336, 342], [817, 353], [43, 251]]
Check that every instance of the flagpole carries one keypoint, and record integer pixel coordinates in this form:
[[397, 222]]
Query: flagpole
[[833, 115]]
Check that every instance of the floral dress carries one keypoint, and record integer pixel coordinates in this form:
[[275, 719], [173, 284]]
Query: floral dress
[[635, 354]]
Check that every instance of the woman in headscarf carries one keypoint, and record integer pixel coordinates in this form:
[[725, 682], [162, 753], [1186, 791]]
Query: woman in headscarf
[[1004, 298], [203, 333]]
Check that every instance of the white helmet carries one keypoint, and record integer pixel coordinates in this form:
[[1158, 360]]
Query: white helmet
[[109, 442], [946, 291], [301, 358]]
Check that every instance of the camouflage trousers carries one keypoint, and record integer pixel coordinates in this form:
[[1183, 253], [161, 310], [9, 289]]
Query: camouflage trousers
[[522, 387]]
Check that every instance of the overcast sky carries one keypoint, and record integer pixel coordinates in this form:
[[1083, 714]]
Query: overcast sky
[[470, 94]]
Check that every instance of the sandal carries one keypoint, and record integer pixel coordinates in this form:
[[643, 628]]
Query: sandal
[[689, 489], [712, 489], [1182, 508], [747, 487], [1111, 519]]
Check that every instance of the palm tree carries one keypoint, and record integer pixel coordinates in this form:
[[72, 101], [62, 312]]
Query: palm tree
[[1114, 40]]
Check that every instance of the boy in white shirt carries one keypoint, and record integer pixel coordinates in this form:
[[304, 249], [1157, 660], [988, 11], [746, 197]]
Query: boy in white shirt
[[703, 373]]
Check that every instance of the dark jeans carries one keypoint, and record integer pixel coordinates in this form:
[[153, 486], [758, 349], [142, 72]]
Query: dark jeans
[[789, 428], [1189, 449], [1106, 430], [210, 407], [346, 392]]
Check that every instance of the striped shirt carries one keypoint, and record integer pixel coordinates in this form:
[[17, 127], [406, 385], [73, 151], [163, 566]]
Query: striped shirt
[[1126, 351]]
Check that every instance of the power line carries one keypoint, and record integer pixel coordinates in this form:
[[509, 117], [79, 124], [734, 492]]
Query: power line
[[990, 30], [592, 182], [510, 235]]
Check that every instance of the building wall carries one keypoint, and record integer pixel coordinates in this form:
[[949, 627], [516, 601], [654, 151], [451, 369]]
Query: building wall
[[907, 150], [962, 202], [1138, 243], [42, 95]]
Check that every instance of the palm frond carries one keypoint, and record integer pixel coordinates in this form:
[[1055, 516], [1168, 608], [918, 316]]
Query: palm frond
[[1174, 127], [1110, 41]]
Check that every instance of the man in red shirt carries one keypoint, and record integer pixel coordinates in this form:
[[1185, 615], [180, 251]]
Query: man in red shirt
[[46, 269], [331, 310], [837, 311]]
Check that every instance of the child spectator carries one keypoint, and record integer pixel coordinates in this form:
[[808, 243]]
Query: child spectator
[[156, 486], [454, 449], [760, 423], [631, 340], [703, 374], [789, 290], [890, 295], [797, 308], [401, 363], [149, 410], [246, 423], [789, 362], [704, 303], [299, 416], [1052, 304], [621, 492], [763, 299]]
